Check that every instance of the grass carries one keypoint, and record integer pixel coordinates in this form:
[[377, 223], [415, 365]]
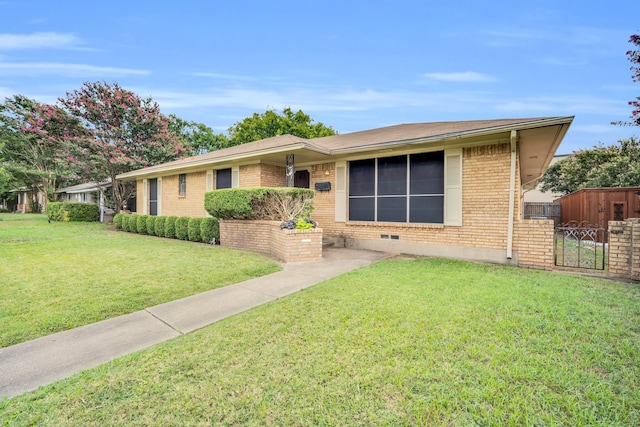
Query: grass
[[59, 276], [401, 343]]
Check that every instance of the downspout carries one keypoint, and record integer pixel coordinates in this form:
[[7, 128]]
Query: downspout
[[512, 190]]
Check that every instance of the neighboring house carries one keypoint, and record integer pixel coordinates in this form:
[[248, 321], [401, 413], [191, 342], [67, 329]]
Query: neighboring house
[[598, 206], [21, 200], [536, 195], [450, 189], [89, 192]]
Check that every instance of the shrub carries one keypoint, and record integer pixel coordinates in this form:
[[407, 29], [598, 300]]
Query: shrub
[[73, 211], [193, 229], [170, 227], [132, 224], [117, 221], [158, 228], [151, 225], [279, 204], [141, 224], [182, 228], [209, 229]]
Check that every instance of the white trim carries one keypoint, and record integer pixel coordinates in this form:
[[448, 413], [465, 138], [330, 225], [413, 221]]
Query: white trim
[[235, 177], [159, 196], [145, 196]]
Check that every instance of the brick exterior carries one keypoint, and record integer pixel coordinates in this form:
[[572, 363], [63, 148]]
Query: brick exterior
[[624, 249], [267, 238], [192, 203], [485, 205]]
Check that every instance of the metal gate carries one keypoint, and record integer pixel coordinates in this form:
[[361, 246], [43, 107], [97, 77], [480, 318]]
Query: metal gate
[[581, 245]]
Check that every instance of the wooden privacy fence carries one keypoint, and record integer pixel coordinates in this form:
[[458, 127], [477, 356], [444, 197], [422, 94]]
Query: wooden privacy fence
[[543, 210]]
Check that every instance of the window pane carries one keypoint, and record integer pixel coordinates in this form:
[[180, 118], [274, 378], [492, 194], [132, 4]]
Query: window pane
[[392, 209], [392, 175], [426, 209], [427, 173], [223, 178], [182, 184], [362, 178], [361, 209]]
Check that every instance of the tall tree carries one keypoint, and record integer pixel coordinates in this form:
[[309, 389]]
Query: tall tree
[[36, 144], [634, 57], [612, 166], [125, 132], [271, 123], [197, 136]]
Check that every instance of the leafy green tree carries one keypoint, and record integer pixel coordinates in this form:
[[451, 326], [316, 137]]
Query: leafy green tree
[[197, 136], [612, 166], [271, 123], [123, 132], [36, 144], [634, 58]]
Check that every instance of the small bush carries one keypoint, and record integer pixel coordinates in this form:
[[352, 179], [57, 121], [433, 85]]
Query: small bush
[[158, 228], [210, 230], [182, 228], [125, 222], [170, 227], [73, 211], [151, 225], [117, 221], [193, 229], [141, 224], [132, 224]]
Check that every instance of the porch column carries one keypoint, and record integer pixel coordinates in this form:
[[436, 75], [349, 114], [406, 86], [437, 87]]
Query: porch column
[[290, 170]]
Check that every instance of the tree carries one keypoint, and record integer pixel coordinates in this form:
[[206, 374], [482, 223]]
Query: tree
[[634, 57], [612, 166], [36, 143], [197, 136], [124, 132], [270, 124]]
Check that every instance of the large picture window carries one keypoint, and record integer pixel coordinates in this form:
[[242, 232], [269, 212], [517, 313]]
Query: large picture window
[[408, 188]]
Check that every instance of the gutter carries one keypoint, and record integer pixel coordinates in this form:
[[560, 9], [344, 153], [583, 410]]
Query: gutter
[[512, 196]]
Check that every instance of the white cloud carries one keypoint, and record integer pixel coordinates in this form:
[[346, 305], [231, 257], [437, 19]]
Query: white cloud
[[38, 41], [66, 70], [460, 77]]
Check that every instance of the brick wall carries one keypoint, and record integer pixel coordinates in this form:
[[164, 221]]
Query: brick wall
[[192, 203], [485, 204], [533, 239], [267, 238], [624, 249]]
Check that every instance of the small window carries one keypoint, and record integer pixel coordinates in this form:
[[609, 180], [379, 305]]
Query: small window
[[223, 178], [182, 184]]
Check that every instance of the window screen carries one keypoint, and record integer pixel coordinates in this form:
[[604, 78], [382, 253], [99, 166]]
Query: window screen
[[223, 178]]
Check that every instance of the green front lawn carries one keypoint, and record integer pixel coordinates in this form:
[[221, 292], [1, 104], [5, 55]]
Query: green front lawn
[[401, 342], [59, 276]]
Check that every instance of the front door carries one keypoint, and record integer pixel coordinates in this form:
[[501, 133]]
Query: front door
[[153, 196]]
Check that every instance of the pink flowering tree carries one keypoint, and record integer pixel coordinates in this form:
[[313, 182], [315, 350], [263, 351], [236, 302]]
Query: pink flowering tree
[[37, 144], [634, 58], [124, 132]]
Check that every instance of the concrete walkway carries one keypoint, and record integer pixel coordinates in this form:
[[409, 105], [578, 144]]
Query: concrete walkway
[[27, 366]]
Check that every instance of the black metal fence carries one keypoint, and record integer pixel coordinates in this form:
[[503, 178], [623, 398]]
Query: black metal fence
[[580, 245]]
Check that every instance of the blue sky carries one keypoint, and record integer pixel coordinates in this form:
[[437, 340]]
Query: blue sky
[[351, 65]]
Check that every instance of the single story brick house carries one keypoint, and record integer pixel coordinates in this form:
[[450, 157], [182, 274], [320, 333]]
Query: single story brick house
[[451, 189], [88, 192]]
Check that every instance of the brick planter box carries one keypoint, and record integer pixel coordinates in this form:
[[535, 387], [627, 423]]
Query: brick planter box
[[267, 237]]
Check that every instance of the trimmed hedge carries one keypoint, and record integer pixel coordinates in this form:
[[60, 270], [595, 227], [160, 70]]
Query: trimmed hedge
[[158, 228], [151, 225], [259, 203], [73, 211], [170, 227], [182, 228], [205, 230], [141, 224], [117, 221], [193, 229], [210, 229]]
